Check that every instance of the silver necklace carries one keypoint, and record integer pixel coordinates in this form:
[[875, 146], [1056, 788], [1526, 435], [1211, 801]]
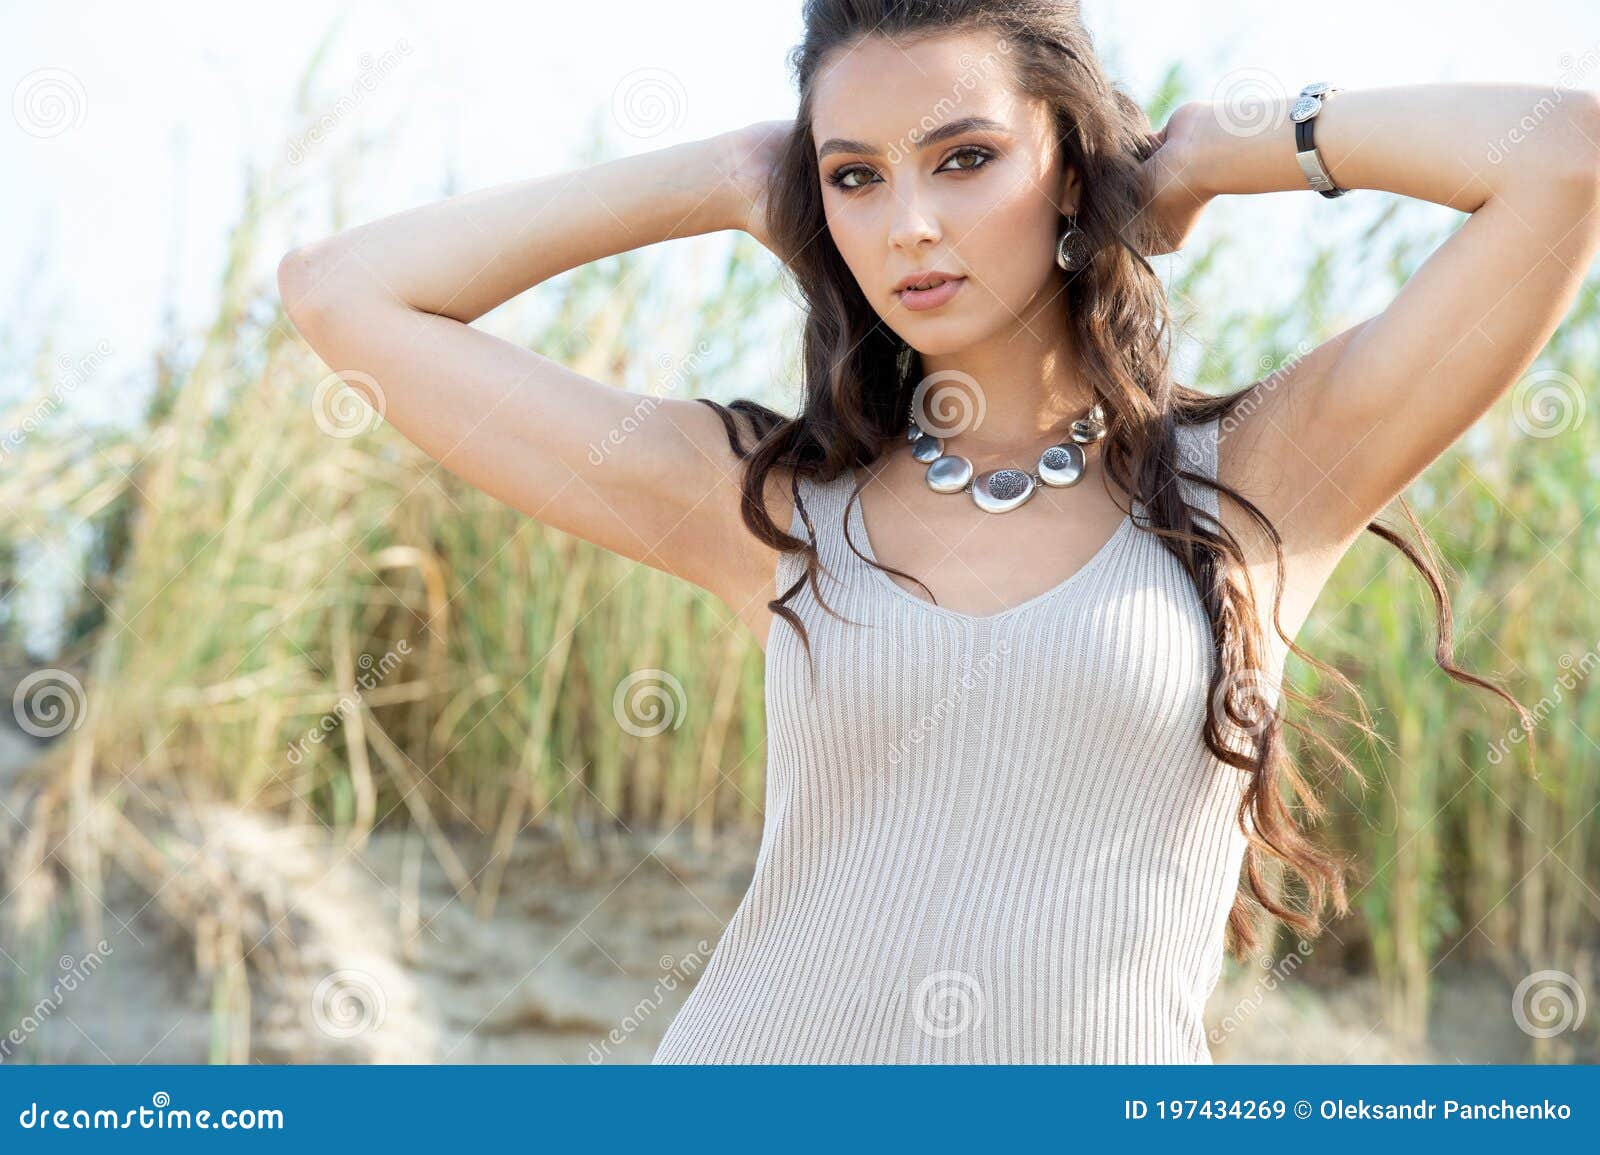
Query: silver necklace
[[1001, 490]]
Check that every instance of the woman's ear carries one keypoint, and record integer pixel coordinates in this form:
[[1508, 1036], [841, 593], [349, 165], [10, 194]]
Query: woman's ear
[[1070, 196]]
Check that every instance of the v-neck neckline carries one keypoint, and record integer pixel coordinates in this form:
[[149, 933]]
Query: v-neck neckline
[[860, 533]]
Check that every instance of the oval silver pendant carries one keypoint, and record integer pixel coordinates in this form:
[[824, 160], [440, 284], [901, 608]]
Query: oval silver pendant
[[1001, 490], [913, 430], [949, 474], [927, 448], [1087, 432], [1062, 465]]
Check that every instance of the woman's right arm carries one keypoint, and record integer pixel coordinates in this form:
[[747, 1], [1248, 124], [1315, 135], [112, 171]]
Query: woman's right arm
[[394, 300]]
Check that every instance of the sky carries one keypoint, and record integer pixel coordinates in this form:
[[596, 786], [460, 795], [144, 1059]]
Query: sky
[[118, 195], [133, 127]]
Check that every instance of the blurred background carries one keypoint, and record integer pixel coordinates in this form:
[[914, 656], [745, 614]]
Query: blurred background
[[315, 754]]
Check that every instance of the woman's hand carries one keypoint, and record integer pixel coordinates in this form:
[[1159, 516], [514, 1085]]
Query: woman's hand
[[749, 156], [1175, 192]]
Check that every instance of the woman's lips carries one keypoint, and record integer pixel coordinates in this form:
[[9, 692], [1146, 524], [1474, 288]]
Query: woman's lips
[[919, 299]]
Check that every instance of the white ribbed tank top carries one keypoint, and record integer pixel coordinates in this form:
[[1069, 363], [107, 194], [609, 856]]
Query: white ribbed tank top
[[988, 839]]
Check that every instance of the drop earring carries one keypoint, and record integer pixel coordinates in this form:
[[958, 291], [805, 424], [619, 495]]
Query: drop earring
[[1072, 247]]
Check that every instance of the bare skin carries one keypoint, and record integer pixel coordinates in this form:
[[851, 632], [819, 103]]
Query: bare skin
[[1337, 435]]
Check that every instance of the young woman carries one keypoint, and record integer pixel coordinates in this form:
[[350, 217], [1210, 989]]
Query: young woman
[[1027, 777]]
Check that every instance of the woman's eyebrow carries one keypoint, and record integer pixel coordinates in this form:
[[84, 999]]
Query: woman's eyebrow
[[924, 140]]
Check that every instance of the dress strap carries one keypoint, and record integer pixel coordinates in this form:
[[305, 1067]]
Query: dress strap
[[1197, 453]]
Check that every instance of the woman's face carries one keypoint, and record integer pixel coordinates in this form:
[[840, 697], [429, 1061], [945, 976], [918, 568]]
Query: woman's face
[[931, 161]]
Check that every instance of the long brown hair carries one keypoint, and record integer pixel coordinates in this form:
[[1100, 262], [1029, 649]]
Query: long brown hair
[[859, 379]]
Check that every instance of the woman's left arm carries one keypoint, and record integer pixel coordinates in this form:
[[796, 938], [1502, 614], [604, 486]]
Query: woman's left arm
[[1340, 433]]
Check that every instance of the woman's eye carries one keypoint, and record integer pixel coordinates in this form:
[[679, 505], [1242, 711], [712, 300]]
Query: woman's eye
[[974, 154], [855, 177]]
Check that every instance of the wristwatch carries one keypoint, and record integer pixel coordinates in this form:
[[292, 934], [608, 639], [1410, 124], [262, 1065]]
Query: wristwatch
[[1304, 114]]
